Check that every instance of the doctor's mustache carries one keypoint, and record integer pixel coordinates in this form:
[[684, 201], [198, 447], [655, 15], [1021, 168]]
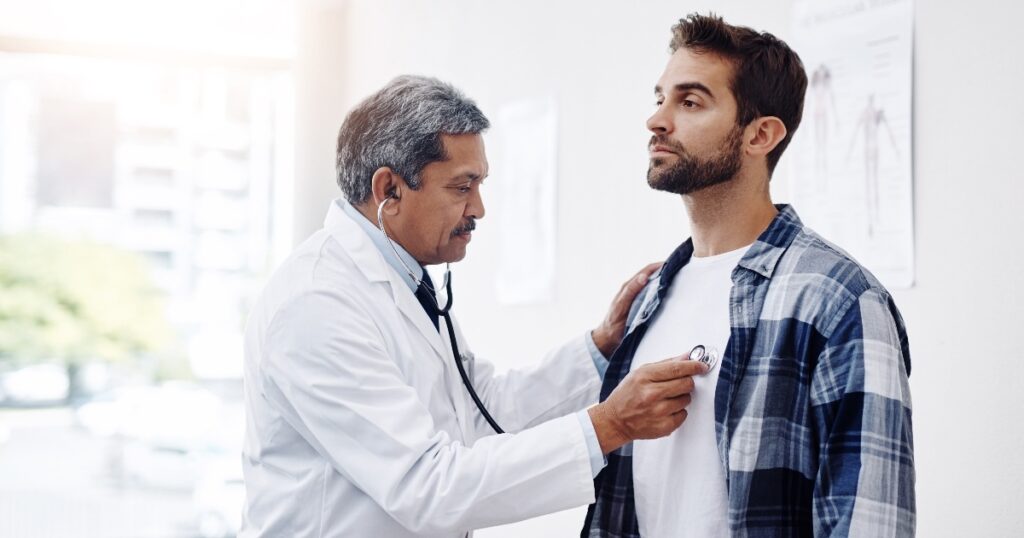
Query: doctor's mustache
[[468, 226]]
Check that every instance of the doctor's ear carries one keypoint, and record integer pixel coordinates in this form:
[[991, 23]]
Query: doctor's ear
[[386, 185]]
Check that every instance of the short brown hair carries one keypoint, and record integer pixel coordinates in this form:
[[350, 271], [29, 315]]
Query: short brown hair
[[768, 77]]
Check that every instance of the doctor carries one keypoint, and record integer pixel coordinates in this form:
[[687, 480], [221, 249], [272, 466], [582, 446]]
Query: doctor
[[359, 423]]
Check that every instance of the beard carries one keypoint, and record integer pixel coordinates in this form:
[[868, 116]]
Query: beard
[[691, 173]]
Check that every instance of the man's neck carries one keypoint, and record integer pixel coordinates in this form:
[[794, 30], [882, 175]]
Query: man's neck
[[729, 216], [368, 211]]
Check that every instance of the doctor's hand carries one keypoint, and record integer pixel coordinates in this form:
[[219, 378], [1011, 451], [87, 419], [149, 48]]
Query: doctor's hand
[[608, 334], [649, 403]]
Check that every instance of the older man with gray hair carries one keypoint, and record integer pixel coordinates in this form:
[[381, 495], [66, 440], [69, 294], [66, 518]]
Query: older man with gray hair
[[364, 418]]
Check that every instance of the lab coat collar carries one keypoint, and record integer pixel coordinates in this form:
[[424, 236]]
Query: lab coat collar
[[356, 243], [370, 261], [393, 253]]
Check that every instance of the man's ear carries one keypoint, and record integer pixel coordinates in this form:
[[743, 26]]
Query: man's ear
[[386, 185], [764, 134]]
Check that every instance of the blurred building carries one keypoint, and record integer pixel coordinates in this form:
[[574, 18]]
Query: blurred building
[[180, 163]]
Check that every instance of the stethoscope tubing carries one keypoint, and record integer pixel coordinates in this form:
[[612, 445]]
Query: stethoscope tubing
[[458, 362], [443, 312]]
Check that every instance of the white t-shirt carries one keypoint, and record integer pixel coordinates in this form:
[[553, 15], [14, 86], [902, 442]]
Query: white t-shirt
[[679, 482]]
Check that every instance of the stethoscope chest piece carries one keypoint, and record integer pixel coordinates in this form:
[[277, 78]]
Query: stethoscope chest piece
[[709, 356]]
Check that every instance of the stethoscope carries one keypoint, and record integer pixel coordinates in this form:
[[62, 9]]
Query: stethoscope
[[443, 312], [707, 355]]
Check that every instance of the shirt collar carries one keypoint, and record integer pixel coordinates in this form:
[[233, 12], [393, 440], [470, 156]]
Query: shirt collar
[[381, 242], [765, 253], [761, 257]]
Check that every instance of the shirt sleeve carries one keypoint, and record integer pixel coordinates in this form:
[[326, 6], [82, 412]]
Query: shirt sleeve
[[600, 361], [597, 459], [862, 411]]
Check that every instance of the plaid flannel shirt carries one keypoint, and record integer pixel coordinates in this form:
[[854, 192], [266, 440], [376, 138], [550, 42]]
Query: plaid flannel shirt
[[812, 405]]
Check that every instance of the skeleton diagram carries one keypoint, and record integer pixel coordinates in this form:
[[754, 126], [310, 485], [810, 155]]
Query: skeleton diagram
[[872, 118], [823, 102]]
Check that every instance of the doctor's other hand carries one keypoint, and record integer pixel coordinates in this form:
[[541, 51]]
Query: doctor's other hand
[[649, 403], [608, 335]]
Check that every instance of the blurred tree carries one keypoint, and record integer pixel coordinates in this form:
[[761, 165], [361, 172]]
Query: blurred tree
[[76, 301]]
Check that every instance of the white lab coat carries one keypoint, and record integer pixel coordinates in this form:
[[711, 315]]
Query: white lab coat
[[358, 424]]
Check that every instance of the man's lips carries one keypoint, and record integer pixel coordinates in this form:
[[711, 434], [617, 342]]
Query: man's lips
[[661, 149]]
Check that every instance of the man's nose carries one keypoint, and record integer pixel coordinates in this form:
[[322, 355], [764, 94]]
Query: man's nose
[[660, 122], [475, 207]]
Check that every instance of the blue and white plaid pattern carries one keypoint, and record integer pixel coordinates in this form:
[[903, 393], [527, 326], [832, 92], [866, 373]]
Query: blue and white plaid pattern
[[812, 406]]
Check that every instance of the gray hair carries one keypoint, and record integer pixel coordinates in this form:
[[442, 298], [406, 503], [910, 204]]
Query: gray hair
[[400, 127]]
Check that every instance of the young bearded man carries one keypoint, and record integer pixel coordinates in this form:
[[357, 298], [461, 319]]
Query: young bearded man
[[802, 427]]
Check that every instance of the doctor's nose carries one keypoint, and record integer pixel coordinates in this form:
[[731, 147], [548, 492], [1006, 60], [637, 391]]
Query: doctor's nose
[[475, 207]]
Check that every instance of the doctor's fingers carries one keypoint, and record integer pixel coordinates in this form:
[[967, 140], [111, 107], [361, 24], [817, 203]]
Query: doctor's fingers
[[678, 418], [671, 406], [667, 407], [670, 369], [623, 300], [675, 388], [641, 277], [637, 282], [670, 423]]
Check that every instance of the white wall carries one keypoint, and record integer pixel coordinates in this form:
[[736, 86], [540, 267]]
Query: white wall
[[600, 60], [320, 106]]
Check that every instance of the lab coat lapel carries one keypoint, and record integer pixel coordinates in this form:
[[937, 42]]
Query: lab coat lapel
[[460, 399], [410, 307], [413, 312], [371, 263]]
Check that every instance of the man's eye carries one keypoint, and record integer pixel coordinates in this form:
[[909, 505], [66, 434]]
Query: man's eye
[[689, 104], [465, 190], [658, 103]]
